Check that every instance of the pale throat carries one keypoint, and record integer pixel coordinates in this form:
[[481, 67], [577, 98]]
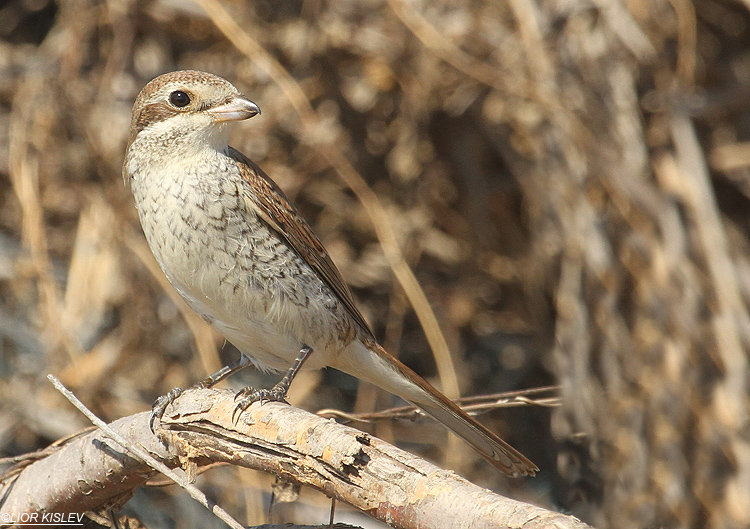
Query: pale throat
[[180, 139]]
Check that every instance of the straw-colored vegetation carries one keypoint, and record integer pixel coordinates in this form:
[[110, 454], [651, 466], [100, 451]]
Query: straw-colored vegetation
[[536, 192]]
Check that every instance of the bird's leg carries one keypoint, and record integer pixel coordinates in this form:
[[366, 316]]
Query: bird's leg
[[160, 404], [277, 393], [211, 380]]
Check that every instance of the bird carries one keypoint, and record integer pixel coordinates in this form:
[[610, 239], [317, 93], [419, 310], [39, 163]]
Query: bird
[[244, 259]]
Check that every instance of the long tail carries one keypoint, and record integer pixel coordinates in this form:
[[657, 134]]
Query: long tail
[[387, 372]]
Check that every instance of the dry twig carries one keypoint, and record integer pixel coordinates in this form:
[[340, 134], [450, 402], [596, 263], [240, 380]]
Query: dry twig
[[388, 484]]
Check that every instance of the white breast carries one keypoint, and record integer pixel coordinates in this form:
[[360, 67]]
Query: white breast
[[229, 266]]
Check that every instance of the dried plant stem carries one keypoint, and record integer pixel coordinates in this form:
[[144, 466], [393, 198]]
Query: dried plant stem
[[382, 481], [449, 52], [147, 458], [24, 174]]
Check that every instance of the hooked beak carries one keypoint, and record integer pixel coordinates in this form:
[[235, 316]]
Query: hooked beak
[[237, 109]]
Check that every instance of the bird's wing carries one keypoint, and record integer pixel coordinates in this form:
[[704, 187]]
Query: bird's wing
[[273, 207]]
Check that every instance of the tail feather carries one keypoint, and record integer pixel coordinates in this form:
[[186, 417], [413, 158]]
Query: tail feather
[[393, 376], [487, 444]]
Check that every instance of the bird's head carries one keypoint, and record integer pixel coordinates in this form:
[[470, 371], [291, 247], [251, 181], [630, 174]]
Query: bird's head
[[190, 104]]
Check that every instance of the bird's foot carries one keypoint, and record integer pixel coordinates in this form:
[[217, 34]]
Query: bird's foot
[[276, 393], [160, 406], [249, 395]]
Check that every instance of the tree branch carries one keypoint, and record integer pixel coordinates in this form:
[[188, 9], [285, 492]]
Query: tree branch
[[388, 484]]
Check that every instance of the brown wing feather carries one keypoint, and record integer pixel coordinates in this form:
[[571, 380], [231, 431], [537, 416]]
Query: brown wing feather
[[279, 213]]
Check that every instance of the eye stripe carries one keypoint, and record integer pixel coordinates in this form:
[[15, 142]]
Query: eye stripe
[[153, 113]]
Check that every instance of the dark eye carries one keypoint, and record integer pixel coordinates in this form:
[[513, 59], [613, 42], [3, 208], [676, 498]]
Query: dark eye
[[179, 99]]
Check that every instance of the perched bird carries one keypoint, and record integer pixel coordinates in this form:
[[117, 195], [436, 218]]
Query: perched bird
[[243, 258]]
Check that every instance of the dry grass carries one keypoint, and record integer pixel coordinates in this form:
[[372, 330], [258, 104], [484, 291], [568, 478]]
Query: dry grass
[[537, 192]]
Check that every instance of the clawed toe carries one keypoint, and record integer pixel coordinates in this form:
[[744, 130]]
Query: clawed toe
[[248, 396], [160, 406], [275, 394]]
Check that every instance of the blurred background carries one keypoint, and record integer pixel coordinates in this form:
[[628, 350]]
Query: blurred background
[[569, 183]]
